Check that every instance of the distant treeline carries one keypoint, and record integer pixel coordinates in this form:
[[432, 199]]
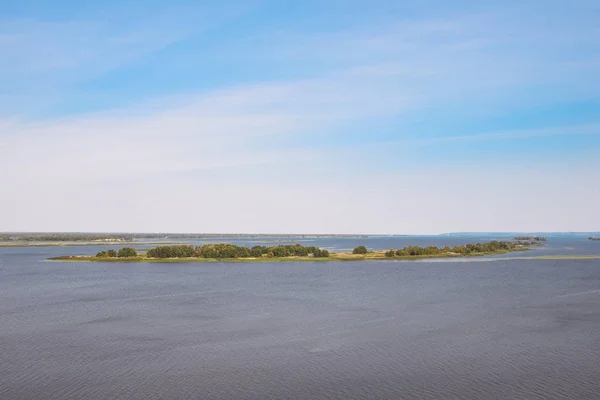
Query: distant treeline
[[62, 237], [536, 238], [221, 251], [490, 247], [594, 238], [239, 236], [73, 237]]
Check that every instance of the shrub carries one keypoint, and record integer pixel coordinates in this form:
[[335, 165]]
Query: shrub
[[321, 253], [127, 252], [360, 250]]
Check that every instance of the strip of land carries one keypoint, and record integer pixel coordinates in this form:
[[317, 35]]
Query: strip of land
[[371, 256], [70, 244], [46, 238], [233, 253]]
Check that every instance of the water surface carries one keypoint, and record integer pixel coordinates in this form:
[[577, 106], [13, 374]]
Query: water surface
[[510, 329]]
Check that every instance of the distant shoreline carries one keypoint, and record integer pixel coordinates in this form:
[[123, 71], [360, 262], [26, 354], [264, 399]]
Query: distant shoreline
[[43, 239], [130, 237], [37, 240], [142, 243], [72, 244]]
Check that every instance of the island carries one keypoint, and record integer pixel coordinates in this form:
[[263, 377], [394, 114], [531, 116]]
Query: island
[[594, 238], [532, 238], [296, 252], [64, 237], [32, 239]]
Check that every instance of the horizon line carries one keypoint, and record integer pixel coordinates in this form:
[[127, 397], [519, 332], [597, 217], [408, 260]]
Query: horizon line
[[293, 233]]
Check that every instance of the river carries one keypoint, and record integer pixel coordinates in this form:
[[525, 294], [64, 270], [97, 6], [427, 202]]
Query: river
[[461, 329]]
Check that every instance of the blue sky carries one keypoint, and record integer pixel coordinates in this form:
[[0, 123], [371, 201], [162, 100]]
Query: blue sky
[[313, 116]]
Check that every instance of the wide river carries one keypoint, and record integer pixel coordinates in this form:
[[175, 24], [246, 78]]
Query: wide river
[[458, 329]]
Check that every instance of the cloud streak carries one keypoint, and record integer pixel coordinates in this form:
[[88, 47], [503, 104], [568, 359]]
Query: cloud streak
[[332, 145], [570, 131]]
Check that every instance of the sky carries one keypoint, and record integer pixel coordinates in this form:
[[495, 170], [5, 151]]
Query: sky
[[270, 116]]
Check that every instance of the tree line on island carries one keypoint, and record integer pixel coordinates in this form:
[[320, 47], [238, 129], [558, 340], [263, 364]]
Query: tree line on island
[[478, 248], [221, 251], [231, 251]]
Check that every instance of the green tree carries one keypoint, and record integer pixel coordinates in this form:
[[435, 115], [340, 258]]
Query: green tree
[[127, 252], [360, 250], [177, 251], [259, 251], [111, 253], [321, 253]]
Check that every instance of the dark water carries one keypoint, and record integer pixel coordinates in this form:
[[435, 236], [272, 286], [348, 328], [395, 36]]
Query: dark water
[[504, 329]]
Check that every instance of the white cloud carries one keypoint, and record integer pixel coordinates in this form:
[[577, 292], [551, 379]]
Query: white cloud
[[211, 131], [222, 161], [205, 166]]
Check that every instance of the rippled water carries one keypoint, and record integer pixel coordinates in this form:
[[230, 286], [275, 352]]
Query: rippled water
[[504, 329]]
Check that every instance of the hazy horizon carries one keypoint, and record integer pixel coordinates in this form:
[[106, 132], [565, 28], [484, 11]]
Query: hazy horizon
[[307, 233]]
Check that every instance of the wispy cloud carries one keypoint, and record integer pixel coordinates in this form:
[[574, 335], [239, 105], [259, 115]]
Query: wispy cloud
[[570, 131], [296, 133], [84, 47], [207, 131]]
